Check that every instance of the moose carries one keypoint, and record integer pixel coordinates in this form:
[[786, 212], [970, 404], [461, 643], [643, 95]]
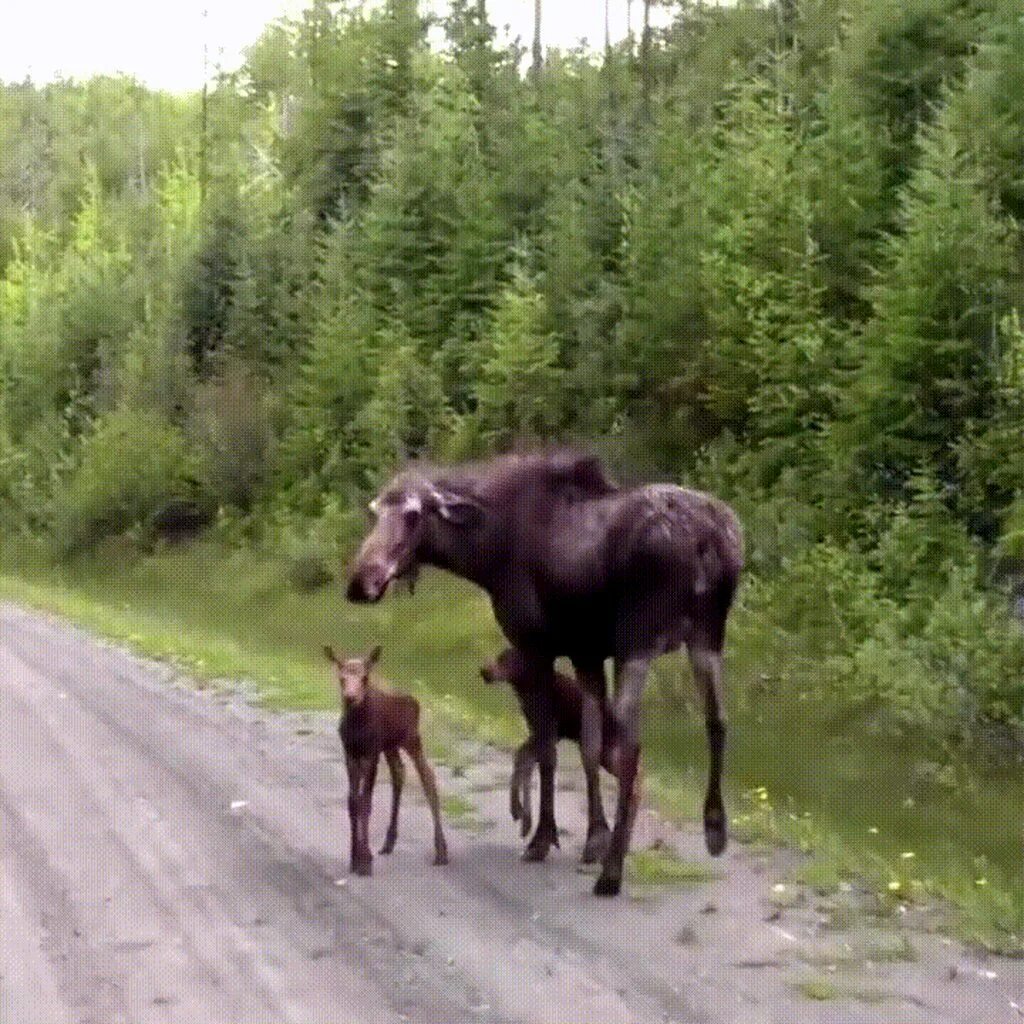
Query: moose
[[566, 700], [375, 723], [576, 566]]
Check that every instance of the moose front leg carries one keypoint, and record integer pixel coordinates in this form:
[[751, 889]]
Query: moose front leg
[[361, 771], [592, 682], [545, 747], [630, 678]]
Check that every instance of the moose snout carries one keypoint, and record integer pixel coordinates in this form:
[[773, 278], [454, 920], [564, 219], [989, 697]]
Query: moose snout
[[487, 673], [367, 584]]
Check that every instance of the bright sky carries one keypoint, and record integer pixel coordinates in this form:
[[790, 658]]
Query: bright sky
[[161, 43]]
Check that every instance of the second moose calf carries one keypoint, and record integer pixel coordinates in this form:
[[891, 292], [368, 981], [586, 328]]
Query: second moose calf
[[540, 696], [375, 723]]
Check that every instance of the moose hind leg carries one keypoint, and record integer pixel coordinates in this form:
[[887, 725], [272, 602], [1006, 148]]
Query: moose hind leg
[[707, 673], [397, 770], [429, 782], [592, 743], [630, 678]]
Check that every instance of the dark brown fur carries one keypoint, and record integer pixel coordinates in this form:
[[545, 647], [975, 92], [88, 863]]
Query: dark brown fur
[[556, 692], [375, 723], [579, 567]]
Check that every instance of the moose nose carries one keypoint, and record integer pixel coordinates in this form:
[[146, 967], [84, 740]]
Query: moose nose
[[487, 674], [366, 586]]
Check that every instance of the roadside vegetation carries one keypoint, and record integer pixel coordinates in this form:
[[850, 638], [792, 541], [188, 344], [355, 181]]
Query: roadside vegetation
[[772, 250]]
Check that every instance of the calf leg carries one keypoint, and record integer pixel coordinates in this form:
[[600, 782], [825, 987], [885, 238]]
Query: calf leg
[[362, 773], [592, 682], [519, 787], [426, 774], [397, 770], [354, 767], [707, 672], [630, 678]]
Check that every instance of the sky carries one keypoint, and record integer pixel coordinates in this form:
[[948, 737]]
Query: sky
[[161, 43]]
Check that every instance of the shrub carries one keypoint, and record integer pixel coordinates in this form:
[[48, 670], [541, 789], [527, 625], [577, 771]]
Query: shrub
[[232, 429], [131, 465]]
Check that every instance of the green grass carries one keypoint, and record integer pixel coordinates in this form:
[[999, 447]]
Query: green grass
[[463, 813], [230, 614], [819, 989], [662, 866]]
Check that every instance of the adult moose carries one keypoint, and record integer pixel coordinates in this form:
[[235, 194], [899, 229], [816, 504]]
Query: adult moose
[[577, 566]]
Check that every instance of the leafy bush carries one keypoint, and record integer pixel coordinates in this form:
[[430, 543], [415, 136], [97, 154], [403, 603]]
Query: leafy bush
[[131, 464], [233, 431]]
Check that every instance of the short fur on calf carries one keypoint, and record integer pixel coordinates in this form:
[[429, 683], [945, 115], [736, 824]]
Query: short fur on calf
[[543, 693], [375, 723]]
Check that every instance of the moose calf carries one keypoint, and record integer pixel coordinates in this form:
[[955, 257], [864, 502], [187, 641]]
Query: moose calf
[[540, 696], [375, 723]]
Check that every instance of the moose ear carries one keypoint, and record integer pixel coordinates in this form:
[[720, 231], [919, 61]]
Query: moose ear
[[374, 657], [459, 510], [329, 651]]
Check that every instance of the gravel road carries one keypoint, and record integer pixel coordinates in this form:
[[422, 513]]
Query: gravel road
[[174, 854]]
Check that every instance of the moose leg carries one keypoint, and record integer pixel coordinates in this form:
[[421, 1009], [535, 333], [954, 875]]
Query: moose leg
[[592, 742], [519, 787], [397, 770], [426, 774], [545, 740], [354, 766], [707, 672], [364, 862], [630, 677]]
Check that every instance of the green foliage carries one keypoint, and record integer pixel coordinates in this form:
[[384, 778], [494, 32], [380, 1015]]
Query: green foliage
[[130, 466], [233, 432], [776, 252], [929, 352], [517, 394]]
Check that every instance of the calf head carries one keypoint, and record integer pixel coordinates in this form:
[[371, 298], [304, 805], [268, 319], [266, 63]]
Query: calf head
[[404, 513], [511, 666], [353, 675]]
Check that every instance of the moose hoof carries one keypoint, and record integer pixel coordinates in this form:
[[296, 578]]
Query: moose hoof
[[525, 825], [388, 847], [363, 868], [596, 847], [715, 833], [441, 858], [535, 853], [607, 886]]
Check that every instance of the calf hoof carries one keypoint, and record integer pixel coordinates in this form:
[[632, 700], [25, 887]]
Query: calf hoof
[[526, 825], [441, 858], [363, 868], [715, 833], [595, 849], [389, 845], [606, 885]]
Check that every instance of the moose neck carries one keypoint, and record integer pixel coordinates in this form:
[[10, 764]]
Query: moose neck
[[475, 554]]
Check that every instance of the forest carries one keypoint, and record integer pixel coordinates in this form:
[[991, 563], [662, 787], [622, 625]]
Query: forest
[[772, 250]]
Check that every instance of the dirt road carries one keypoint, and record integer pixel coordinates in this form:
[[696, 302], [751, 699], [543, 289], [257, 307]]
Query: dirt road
[[170, 854]]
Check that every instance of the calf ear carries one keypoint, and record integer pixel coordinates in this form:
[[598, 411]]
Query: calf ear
[[374, 657]]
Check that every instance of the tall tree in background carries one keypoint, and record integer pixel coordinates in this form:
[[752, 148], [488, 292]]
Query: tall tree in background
[[538, 53]]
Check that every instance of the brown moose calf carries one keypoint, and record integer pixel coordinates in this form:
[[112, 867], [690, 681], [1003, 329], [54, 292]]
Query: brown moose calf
[[552, 704], [375, 723]]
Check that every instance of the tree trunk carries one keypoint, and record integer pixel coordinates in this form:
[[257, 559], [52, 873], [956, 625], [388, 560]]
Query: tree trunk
[[645, 61], [538, 56]]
